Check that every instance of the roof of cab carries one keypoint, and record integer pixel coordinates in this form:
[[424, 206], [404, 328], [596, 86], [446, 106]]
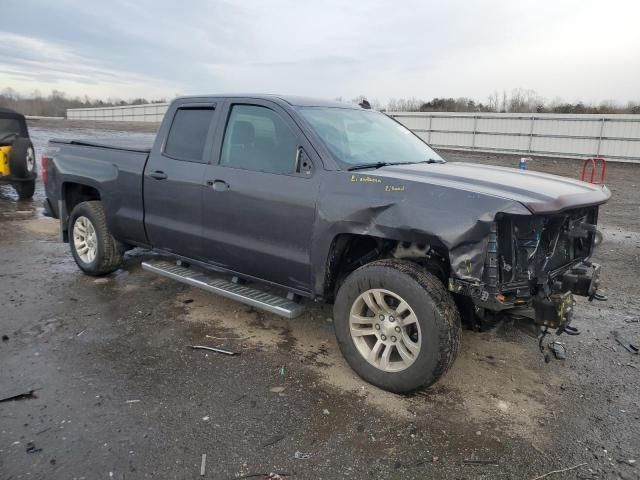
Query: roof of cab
[[8, 113], [296, 101]]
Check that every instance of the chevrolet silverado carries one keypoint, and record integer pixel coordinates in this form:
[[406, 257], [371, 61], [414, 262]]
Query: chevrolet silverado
[[274, 201]]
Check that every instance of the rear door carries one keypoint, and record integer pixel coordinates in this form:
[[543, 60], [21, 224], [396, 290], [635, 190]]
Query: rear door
[[173, 178], [258, 207]]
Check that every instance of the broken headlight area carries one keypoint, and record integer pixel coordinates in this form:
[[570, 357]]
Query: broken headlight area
[[535, 264]]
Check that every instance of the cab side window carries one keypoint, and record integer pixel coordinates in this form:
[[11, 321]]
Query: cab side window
[[257, 138], [188, 134]]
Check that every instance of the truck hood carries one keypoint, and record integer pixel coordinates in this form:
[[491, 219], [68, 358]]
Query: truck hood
[[539, 192]]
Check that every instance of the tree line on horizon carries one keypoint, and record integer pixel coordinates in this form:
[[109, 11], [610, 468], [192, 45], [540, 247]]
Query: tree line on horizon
[[57, 102], [519, 101]]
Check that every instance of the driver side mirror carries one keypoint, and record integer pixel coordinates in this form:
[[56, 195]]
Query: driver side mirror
[[303, 163]]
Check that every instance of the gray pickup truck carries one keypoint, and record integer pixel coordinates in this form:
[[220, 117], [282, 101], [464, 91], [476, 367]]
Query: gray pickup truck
[[272, 200]]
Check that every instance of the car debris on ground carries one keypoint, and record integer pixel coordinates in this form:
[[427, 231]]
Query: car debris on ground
[[19, 396], [272, 440], [203, 464], [31, 448], [560, 471], [630, 347], [269, 475], [558, 349], [480, 462], [214, 349]]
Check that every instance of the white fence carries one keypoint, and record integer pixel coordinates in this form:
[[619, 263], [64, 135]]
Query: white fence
[[152, 112], [563, 135]]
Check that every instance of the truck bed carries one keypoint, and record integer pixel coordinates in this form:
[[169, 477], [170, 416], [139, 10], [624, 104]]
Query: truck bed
[[113, 168], [140, 145]]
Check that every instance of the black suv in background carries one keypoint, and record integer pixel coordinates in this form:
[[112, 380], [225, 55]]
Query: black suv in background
[[17, 156]]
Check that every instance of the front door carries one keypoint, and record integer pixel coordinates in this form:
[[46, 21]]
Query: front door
[[260, 202]]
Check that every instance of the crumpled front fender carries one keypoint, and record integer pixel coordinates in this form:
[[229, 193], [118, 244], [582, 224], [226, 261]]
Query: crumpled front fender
[[454, 220]]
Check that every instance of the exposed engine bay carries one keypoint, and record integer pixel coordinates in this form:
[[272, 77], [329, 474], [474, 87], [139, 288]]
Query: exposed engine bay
[[534, 267], [544, 259]]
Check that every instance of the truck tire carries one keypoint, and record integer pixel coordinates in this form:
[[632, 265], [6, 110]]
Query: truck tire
[[93, 247], [22, 159], [25, 189], [396, 325]]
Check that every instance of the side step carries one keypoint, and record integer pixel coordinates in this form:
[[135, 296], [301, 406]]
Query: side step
[[241, 293]]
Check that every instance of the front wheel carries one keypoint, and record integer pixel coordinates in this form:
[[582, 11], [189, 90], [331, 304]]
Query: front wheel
[[93, 247], [396, 325]]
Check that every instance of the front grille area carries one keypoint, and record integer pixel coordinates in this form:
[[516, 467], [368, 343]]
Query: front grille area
[[533, 248]]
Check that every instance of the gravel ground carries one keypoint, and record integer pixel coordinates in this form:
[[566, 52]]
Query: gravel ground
[[118, 395]]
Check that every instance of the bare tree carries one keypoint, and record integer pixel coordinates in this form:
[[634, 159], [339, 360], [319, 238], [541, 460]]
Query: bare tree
[[56, 104], [494, 102]]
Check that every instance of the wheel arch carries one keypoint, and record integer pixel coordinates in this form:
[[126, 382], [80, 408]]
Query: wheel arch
[[349, 251], [72, 194]]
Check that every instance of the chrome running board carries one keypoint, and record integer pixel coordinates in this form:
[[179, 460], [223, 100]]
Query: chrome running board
[[235, 291]]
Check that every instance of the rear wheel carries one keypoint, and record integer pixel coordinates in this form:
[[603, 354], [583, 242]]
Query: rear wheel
[[396, 325], [94, 249], [25, 189], [22, 159]]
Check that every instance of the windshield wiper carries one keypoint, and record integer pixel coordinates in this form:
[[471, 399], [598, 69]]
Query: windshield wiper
[[370, 165], [387, 164]]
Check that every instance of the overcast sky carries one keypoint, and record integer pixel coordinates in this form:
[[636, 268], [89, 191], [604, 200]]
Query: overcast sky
[[587, 50]]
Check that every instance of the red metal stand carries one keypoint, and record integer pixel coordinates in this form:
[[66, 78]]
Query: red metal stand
[[594, 162]]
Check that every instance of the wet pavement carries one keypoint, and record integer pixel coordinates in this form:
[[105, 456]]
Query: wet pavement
[[117, 393]]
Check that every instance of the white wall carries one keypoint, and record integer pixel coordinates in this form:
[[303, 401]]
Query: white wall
[[564, 135], [133, 113]]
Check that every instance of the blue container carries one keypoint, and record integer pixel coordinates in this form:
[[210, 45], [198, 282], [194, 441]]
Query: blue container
[[523, 164]]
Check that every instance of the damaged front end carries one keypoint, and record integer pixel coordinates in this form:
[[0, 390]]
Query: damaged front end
[[534, 266]]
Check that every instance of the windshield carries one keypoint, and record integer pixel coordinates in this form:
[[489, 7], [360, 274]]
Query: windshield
[[362, 137]]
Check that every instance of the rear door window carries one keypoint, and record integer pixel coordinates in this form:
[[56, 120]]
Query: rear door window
[[188, 134]]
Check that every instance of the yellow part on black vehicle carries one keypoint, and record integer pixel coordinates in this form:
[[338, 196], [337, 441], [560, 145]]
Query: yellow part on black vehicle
[[5, 152], [17, 156]]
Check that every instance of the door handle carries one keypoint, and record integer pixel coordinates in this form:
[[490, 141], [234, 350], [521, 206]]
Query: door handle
[[218, 185], [158, 175]]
